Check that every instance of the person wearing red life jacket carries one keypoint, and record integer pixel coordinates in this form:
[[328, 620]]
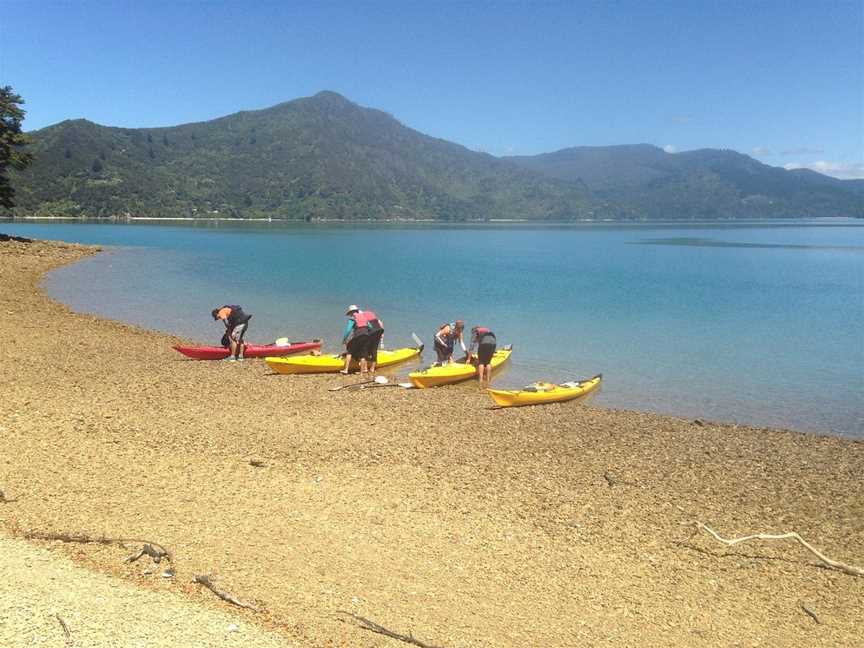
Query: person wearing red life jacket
[[483, 340], [361, 337], [375, 331], [236, 324], [354, 340]]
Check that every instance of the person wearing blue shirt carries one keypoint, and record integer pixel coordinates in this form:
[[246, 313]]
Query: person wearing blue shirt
[[354, 338]]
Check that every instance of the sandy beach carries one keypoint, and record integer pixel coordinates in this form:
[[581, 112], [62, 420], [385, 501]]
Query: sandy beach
[[423, 514]]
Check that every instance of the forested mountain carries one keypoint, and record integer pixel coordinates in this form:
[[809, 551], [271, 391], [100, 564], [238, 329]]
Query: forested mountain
[[317, 157], [324, 157], [703, 184]]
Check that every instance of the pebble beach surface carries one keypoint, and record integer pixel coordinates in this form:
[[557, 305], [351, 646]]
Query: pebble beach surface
[[345, 518]]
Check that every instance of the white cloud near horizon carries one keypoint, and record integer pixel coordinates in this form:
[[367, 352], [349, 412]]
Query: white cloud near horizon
[[669, 148], [840, 170], [802, 150], [761, 150]]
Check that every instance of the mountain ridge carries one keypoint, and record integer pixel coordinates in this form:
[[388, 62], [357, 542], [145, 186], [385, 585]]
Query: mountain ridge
[[325, 157], [705, 183]]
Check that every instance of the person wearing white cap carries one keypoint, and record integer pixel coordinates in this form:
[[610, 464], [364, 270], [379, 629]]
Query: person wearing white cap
[[361, 338], [354, 338]]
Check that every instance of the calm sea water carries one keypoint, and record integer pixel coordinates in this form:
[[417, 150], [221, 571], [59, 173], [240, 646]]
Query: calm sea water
[[756, 323]]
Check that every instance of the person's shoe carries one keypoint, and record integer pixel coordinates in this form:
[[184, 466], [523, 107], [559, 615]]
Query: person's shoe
[[230, 359]]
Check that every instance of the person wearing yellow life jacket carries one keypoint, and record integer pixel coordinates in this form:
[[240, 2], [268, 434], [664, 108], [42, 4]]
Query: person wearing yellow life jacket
[[236, 324], [445, 341], [483, 340]]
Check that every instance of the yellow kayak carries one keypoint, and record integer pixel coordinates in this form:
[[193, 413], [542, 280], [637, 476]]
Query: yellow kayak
[[455, 371], [543, 392], [332, 363]]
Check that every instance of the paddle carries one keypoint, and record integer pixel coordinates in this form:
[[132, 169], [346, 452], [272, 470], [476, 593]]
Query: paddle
[[417, 341], [386, 383], [381, 380]]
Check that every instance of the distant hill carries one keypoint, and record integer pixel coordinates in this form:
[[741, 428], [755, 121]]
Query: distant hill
[[324, 157], [316, 157], [649, 183]]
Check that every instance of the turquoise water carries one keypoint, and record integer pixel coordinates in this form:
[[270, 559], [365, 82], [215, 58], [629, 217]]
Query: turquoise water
[[755, 323]]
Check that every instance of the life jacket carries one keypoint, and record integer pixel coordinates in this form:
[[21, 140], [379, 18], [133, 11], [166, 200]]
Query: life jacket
[[367, 319], [446, 340], [483, 334], [237, 316]]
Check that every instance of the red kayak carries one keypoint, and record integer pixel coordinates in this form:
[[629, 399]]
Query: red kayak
[[252, 350]]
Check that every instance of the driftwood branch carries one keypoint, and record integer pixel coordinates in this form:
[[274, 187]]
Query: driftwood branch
[[151, 548], [156, 553], [368, 624], [65, 630], [828, 562], [204, 579], [810, 612]]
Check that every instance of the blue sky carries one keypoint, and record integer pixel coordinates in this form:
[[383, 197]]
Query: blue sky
[[781, 81]]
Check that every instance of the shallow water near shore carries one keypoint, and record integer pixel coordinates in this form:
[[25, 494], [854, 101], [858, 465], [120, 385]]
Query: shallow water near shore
[[753, 323]]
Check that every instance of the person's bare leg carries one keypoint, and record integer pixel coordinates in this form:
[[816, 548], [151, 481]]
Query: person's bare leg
[[347, 363]]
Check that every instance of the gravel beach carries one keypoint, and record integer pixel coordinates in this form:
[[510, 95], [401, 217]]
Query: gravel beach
[[345, 518]]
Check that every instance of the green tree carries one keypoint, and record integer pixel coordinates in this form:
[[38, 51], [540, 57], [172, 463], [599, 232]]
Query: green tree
[[12, 141]]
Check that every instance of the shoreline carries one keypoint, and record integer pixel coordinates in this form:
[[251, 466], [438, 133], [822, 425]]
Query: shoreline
[[822, 221], [686, 405], [424, 512]]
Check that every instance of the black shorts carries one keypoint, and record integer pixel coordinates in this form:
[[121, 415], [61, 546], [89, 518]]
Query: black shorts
[[357, 346], [485, 351], [444, 352], [374, 341]]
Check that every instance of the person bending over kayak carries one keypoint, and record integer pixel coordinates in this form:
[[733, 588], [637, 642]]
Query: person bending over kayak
[[445, 341], [236, 324], [375, 326], [355, 338], [483, 340]]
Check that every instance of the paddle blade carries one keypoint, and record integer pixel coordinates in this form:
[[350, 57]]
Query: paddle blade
[[417, 340], [355, 385]]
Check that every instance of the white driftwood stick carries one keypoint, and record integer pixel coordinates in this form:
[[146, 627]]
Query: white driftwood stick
[[834, 564], [204, 579]]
